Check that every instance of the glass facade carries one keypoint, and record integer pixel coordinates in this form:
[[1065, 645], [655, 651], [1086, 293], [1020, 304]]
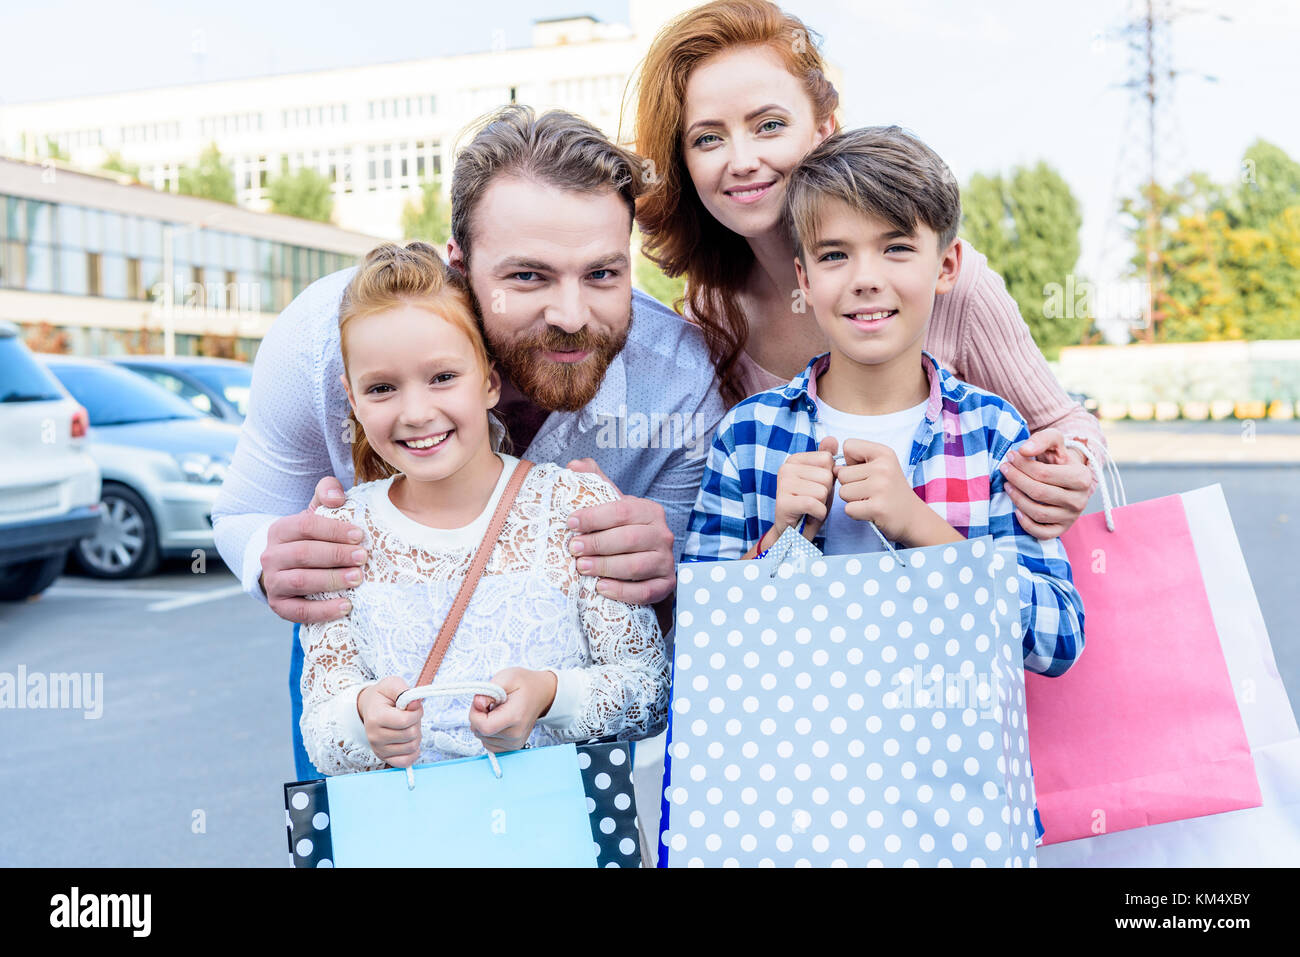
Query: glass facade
[[74, 250]]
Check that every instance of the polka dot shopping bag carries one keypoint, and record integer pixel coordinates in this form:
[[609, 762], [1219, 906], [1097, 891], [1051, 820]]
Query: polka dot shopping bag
[[849, 710]]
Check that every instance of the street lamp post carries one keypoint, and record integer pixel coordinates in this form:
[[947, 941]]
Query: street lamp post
[[170, 233]]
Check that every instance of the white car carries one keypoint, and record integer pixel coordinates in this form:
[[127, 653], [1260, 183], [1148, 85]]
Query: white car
[[49, 485]]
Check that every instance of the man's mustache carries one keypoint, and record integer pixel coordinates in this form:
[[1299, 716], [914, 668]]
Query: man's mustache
[[557, 340]]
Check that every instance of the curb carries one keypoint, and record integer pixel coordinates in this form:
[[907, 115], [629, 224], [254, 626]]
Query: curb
[[1282, 464]]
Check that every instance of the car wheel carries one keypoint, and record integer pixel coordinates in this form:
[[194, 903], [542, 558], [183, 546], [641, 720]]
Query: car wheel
[[126, 542], [22, 581]]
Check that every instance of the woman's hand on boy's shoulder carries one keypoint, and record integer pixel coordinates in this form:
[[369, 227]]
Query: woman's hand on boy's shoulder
[[1049, 484], [625, 543]]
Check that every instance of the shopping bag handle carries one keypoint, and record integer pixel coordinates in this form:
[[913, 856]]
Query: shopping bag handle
[[451, 689], [1112, 470]]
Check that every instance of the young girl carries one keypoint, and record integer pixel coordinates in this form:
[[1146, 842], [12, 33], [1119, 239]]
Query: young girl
[[574, 665]]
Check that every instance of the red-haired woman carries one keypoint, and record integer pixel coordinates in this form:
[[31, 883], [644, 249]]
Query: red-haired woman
[[730, 98]]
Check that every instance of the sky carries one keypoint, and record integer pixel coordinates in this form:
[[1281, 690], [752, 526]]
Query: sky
[[988, 85]]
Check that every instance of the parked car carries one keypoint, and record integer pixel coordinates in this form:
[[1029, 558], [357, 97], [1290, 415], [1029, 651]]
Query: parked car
[[49, 485], [162, 461], [218, 387]]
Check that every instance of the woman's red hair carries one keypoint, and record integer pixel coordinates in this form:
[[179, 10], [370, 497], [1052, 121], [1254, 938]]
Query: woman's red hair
[[678, 233]]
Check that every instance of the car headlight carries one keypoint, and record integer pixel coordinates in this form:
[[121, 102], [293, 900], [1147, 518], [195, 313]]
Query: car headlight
[[203, 469]]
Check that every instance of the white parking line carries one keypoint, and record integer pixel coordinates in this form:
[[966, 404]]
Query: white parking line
[[74, 591], [198, 598]]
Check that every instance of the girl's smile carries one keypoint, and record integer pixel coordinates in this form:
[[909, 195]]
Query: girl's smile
[[425, 445]]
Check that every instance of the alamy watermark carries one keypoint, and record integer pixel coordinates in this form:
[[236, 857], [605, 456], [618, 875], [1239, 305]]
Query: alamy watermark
[[914, 688], [76, 690], [656, 430]]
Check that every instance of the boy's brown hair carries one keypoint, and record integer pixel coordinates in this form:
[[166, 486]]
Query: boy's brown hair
[[881, 171]]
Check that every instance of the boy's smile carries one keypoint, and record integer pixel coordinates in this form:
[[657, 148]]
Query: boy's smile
[[871, 320]]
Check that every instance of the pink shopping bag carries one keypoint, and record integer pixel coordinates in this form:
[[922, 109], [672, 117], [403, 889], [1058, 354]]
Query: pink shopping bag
[[1145, 728]]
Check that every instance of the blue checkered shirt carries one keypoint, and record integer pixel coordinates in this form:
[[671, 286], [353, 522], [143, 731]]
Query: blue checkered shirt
[[954, 468]]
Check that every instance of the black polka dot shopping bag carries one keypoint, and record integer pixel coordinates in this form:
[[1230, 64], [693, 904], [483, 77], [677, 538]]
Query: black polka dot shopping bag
[[861, 710]]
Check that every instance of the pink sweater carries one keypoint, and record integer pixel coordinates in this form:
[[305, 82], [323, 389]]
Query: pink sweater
[[977, 332]]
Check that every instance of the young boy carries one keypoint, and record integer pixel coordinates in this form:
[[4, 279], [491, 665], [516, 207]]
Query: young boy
[[874, 215]]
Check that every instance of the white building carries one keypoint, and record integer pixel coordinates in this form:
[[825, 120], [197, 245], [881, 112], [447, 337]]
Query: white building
[[84, 259], [377, 132]]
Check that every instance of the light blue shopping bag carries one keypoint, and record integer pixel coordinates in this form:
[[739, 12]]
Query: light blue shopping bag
[[460, 814], [560, 806], [849, 710]]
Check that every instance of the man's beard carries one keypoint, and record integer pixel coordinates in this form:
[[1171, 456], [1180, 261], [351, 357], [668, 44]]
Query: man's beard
[[559, 386]]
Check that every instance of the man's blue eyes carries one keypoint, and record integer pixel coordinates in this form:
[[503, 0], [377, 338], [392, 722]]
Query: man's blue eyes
[[596, 274]]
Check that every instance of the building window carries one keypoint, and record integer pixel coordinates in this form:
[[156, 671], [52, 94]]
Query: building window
[[13, 265], [40, 268], [94, 274], [134, 288], [114, 281]]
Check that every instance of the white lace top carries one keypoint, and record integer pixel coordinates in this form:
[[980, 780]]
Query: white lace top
[[531, 609]]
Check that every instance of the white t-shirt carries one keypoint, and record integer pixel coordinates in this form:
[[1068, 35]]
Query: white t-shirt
[[846, 535]]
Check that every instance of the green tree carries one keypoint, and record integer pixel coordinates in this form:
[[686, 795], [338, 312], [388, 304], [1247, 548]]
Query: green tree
[[305, 194], [115, 164], [429, 217], [1270, 184], [1227, 262], [651, 280], [1027, 224], [210, 179], [52, 150]]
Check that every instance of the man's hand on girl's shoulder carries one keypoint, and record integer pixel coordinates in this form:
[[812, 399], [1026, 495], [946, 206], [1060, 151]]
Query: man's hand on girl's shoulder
[[307, 554], [626, 544]]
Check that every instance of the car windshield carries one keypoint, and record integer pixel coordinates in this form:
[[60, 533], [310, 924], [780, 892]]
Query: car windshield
[[22, 378], [233, 382], [114, 396]]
